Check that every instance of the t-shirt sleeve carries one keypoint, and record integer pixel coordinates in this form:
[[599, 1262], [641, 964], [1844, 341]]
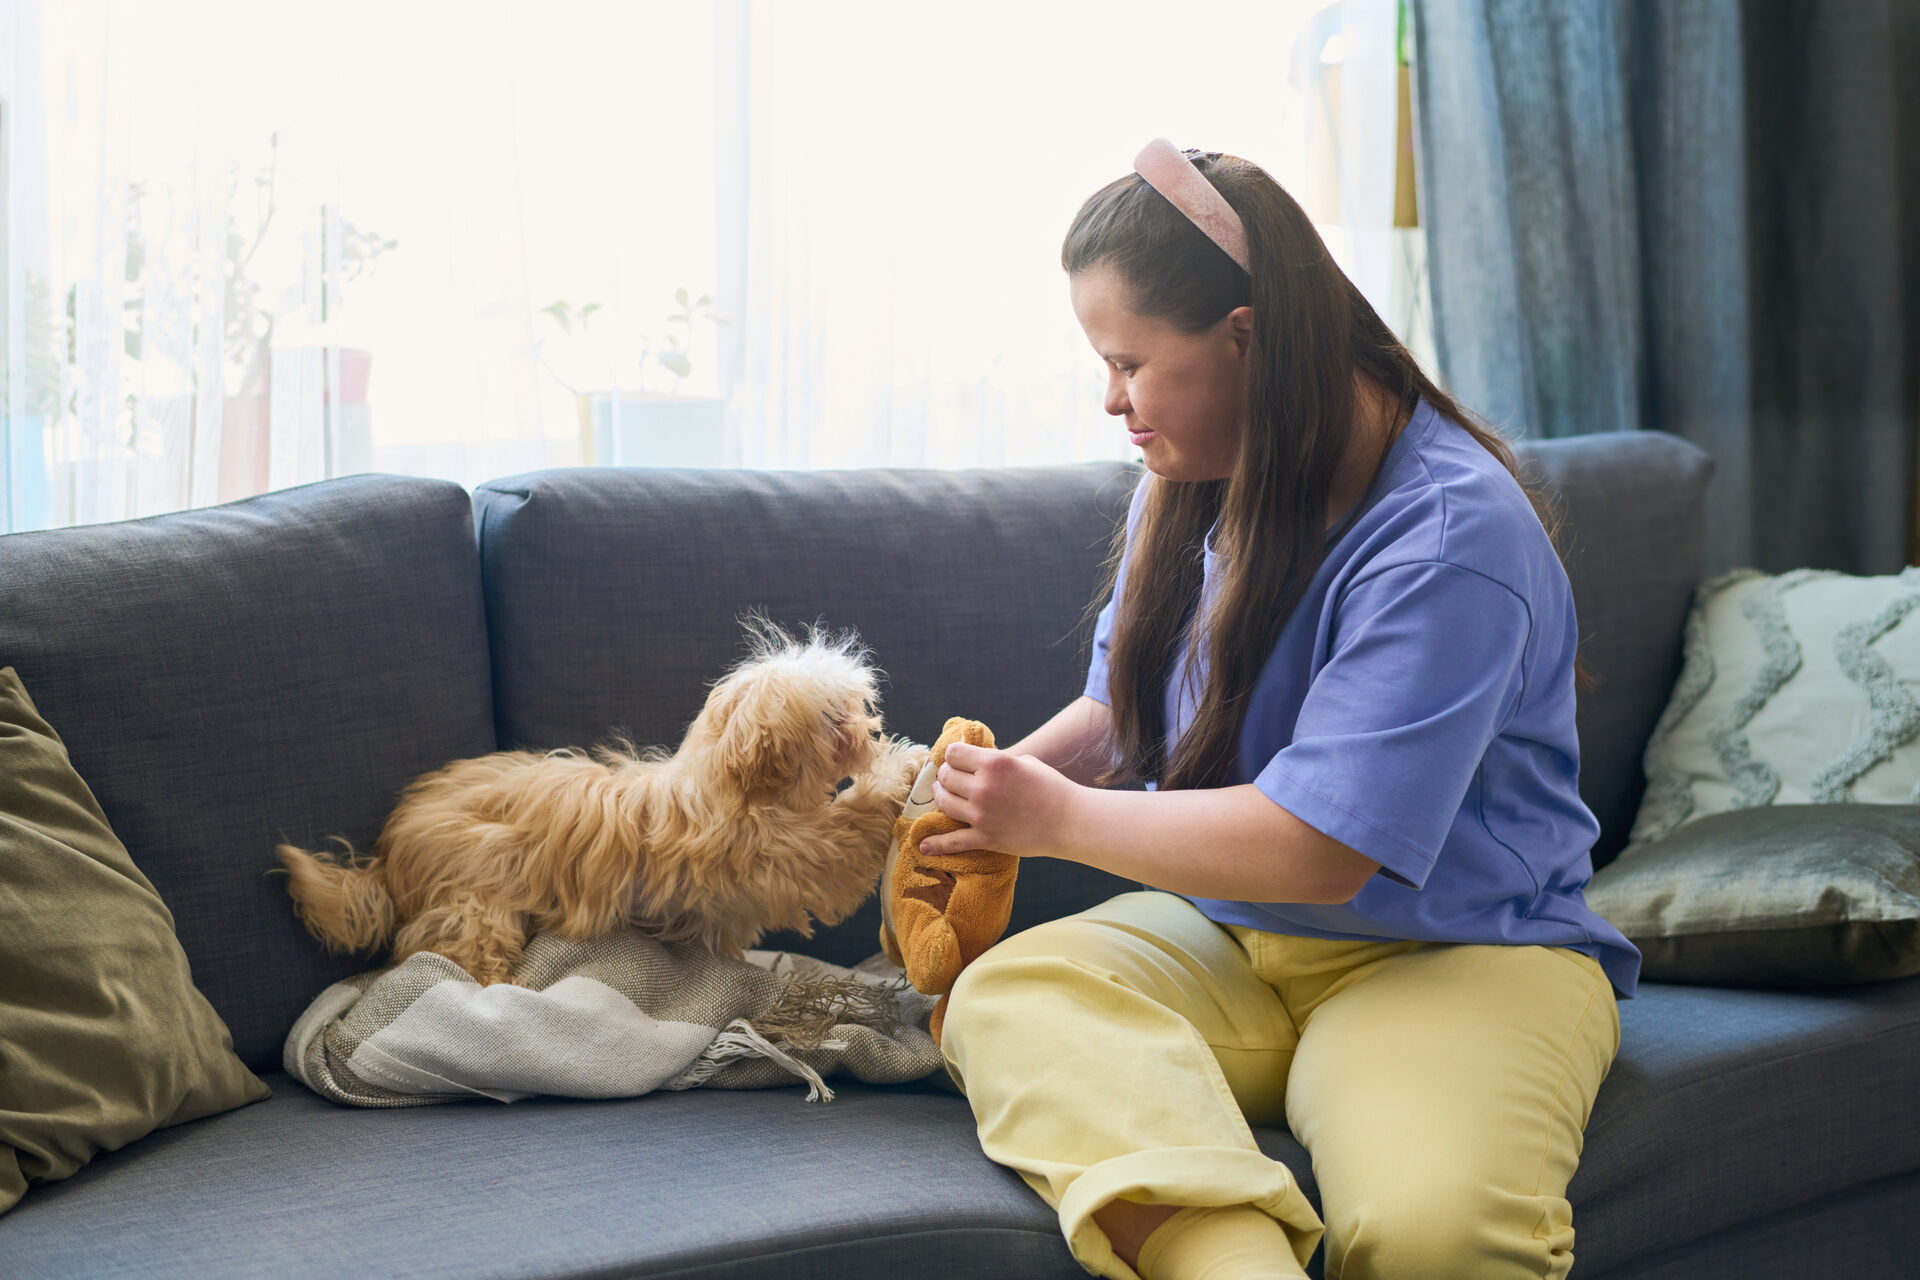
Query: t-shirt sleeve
[[1103, 625], [1426, 666]]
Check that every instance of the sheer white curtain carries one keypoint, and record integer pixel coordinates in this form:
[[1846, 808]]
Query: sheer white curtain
[[254, 244], [260, 244], [905, 177], [1346, 65]]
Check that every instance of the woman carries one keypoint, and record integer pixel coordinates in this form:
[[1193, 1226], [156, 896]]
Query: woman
[[1340, 650]]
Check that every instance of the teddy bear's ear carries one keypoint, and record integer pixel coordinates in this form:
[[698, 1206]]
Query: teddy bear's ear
[[954, 730]]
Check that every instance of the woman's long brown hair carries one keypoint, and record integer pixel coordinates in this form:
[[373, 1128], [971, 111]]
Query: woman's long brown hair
[[1312, 331]]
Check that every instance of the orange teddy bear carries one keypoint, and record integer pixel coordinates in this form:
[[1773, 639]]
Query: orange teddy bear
[[939, 912]]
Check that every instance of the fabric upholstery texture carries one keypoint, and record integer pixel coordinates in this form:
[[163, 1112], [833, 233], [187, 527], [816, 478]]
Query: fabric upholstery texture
[[610, 597], [1631, 543], [970, 587], [639, 576], [1778, 896], [1797, 688], [231, 676], [1725, 1112], [103, 1037]]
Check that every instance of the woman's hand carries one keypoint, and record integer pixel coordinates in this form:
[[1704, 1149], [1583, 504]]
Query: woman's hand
[[1011, 804]]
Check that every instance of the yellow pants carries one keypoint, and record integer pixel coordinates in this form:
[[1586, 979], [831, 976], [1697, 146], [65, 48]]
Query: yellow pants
[[1441, 1089]]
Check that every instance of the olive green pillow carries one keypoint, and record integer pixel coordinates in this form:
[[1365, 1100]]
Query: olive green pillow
[[1792, 895], [103, 1036]]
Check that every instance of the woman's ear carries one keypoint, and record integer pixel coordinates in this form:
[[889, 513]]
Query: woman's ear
[[1241, 320]]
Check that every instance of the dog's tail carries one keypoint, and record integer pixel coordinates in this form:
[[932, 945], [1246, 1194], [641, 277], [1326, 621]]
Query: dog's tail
[[345, 905]]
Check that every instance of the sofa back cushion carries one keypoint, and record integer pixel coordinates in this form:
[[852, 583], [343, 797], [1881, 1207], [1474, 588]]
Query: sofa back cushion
[[613, 598], [225, 678], [1634, 509]]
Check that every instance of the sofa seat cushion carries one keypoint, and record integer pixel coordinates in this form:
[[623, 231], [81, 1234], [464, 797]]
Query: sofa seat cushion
[[1729, 1106], [881, 1182], [1725, 1107]]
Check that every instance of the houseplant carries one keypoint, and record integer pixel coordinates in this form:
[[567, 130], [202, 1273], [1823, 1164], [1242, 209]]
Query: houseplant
[[641, 426], [246, 453]]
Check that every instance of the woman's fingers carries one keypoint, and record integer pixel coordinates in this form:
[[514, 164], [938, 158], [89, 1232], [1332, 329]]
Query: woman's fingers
[[955, 781], [964, 755], [953, 804], [952, 842]]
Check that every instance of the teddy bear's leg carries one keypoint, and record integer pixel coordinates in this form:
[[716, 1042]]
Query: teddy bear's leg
[[981, 904], [930, 948]]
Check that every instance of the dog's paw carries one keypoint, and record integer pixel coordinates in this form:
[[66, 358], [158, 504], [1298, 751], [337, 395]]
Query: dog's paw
[[886, 784], [900, 764]]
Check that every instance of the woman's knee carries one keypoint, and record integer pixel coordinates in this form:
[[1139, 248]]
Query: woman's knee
[[1000, 988], [1447, 1229], [1053, 975]]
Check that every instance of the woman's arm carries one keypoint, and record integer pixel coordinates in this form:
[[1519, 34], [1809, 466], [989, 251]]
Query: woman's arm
[[1078, 741], [1228, 842]]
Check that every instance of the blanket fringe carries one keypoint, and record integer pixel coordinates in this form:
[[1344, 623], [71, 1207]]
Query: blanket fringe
[[801, 1019], [737, 1040], [810, 1008]]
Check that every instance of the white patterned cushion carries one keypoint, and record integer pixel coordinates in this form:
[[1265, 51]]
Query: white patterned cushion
[[1796, 688]]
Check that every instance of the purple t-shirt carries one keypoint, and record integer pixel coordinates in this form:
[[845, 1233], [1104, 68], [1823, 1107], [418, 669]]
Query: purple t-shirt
[[1419, 708]]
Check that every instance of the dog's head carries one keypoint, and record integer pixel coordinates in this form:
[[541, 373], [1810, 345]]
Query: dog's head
[[792, 719]]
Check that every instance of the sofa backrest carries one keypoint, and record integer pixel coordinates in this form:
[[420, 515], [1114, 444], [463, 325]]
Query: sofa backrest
[[228, 677], [613, 597], [1634, 508], [280, 667]]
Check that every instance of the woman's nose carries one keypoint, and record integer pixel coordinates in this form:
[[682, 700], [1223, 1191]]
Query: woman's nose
[[1117, 404]]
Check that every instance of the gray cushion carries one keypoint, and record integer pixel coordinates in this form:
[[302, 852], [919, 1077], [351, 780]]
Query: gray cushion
[[1635, 525], [1842, 1235], [970, 587], [1783, 895], [1725, 1108], [274, 667], [879, 1182]]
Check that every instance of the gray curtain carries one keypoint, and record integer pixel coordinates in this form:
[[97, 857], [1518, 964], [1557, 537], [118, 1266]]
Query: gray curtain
[[1692, 216]]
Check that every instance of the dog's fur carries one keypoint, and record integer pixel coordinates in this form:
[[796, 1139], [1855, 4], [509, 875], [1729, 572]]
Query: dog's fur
[[738, 832]]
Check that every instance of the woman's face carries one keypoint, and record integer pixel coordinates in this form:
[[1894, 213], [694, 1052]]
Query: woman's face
[[1183, 396]]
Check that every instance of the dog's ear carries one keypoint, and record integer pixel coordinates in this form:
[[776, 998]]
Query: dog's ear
[[765, 737]]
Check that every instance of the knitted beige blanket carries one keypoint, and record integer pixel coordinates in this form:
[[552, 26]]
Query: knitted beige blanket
[[611, 1017]]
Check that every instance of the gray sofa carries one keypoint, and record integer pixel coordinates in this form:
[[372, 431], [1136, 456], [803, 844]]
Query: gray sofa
[[279, 667]]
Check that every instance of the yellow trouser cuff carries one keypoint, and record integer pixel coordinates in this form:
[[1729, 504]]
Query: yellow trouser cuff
[[1184, 1176]]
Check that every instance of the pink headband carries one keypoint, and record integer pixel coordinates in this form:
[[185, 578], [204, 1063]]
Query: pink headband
[[1174, 176]]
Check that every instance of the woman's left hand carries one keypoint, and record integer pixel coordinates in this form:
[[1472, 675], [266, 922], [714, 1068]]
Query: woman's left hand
[[1011, 804]]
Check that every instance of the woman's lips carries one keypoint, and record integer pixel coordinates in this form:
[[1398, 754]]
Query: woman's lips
[[1141, 436]]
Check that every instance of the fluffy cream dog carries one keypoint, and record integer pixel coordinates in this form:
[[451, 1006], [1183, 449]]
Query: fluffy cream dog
[[738, 832]]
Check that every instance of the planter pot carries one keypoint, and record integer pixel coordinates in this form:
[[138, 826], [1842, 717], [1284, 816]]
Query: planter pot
[[26, 471], [636, 429], [311, 444]]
